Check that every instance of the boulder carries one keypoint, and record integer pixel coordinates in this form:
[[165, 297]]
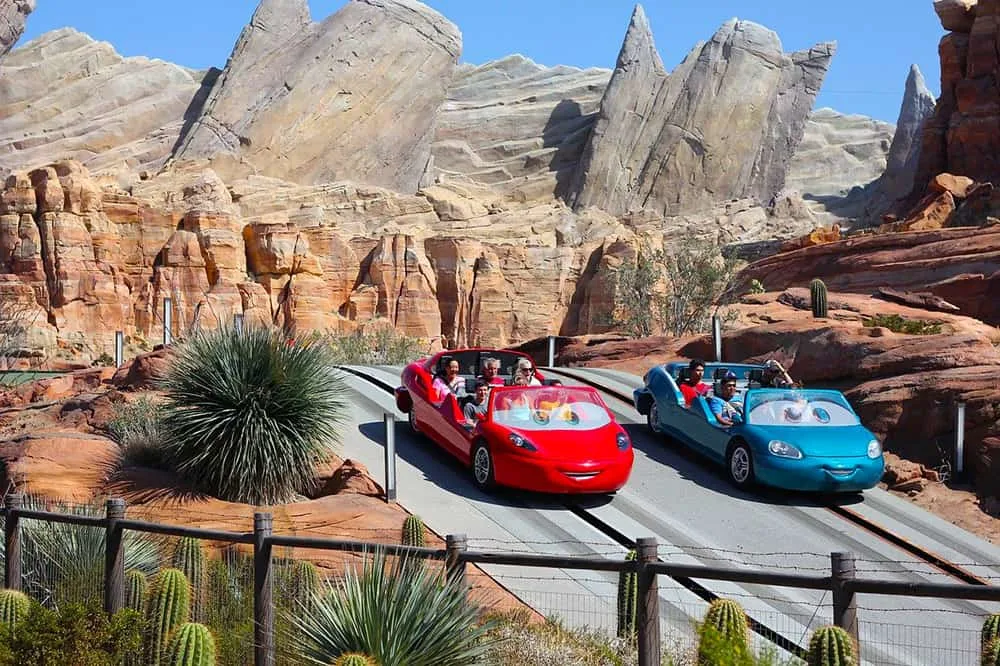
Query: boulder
[[680, 153], [364, 85], [13, 14], [65, 466], [143, 371], [349, 477], [956, 15]]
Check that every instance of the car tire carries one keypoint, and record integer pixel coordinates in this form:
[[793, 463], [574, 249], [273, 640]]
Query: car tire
[[653, 418], [739, 465], [482, 467]]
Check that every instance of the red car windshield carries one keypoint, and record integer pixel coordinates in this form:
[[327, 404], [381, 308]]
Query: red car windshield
[[549, 408]]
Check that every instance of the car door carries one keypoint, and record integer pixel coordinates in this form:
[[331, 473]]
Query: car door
[[703, 432], [453, 434]]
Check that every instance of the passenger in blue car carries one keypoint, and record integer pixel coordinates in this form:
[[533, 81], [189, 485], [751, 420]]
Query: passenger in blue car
[[726, 405]]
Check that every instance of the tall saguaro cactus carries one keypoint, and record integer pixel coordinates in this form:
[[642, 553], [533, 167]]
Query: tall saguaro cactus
[[190, 559], [191, 645], [168, 607]]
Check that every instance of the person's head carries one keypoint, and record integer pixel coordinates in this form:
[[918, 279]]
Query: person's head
[[728, 386], [452, 369], [696, 369], [525, 368], [482, 390], [520, 379], [491, 367]]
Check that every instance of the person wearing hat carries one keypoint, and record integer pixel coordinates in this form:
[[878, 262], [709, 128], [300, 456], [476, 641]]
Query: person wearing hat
[[726, 406]]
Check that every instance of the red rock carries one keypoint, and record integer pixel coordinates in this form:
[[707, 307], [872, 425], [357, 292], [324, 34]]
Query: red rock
[[957, 186], [350, 477], [142, 371]]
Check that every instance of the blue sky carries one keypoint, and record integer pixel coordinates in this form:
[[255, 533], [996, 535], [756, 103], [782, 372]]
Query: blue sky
[[877, 39]]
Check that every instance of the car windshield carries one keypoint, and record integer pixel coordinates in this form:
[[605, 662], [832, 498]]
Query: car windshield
[[549, 408], [798, 408]]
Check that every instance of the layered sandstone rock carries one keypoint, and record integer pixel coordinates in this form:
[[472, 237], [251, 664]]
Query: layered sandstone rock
[[722, 126], [353, 97], [13, 14], [131, 124]]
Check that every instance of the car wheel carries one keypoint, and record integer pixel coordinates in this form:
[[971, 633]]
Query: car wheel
[[653, 418], [482, 467], [739, 463]]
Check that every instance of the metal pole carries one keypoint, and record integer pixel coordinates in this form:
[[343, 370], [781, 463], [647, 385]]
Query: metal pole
[[114, 558], [455, 545], [390, 457], [960, 438], [119, 349], [845, 608], [168, 320], [552, 351], [12, 542], [648, 612], [263, 610], [717, 337], [238, 321]]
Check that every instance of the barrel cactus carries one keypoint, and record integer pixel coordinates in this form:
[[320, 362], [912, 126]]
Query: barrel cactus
[[192, 645], [817, 298], [168, 607], [413, 532], [831, 646], [14, 607], [190, 558], [725, 629], [354, 659], [628, 593], [136, 588], [991, 640]]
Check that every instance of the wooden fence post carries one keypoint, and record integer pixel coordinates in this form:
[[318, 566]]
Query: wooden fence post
[[12, 542], [845, 608], [263, 610], [455, 545], [114, 557], [648, 612]]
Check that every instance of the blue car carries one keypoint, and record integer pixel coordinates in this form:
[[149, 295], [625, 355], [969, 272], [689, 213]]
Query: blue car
[[791, 438]]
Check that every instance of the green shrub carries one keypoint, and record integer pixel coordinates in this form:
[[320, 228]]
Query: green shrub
[[384, 346], [250, 416], [756, 287], [75, 634], [135, 426], [397, 614], [898, 324]]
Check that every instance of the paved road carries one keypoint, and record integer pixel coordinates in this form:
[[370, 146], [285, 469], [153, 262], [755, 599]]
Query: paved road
[[697, 518]]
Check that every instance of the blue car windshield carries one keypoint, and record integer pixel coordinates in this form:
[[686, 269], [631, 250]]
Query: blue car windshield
[[784, 407]]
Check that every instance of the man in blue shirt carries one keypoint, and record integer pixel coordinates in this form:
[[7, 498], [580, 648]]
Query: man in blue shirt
[[727, 407]]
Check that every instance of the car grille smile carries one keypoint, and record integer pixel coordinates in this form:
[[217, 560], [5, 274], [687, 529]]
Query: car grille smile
[[581, 476]]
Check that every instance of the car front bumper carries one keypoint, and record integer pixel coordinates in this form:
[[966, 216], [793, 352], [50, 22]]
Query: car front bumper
[[819, 474], [526, 472]]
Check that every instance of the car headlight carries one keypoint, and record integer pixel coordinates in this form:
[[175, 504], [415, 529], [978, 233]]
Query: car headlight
[[622, 441], [874, 449], [521, 442], [783, 449]]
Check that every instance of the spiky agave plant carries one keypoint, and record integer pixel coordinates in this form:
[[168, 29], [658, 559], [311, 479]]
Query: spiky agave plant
[[396, 614], [249, 417]]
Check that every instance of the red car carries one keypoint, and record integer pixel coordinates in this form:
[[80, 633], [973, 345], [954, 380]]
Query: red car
[[544, 437]]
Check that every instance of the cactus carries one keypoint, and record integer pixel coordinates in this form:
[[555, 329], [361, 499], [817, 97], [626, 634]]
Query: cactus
[[191, 645], [413, 532], [168, 606], [304, 582], [830, 646], [756, 286], [991, 640], [354, 659], [628, 594], [190, 559], [14, 607], [136, 588], [725, 626], [817, 298]]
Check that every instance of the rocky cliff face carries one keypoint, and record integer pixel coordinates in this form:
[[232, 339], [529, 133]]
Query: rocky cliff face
[[13, 14], [366, 113], [708, 131]]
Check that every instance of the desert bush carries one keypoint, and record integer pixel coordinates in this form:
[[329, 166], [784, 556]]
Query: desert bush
[[397, 614], [136, 427], [384, 346], [673, 293], [249, 416], [526, 643], [898, 324]]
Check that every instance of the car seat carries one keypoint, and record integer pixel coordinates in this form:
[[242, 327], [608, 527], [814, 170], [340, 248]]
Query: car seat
[[684, 375]]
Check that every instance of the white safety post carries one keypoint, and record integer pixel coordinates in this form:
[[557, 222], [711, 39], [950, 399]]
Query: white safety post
[[960, 438], [552, 351], [168, 317], [238, 321], [119, 348], [717, 337], [390, 457]]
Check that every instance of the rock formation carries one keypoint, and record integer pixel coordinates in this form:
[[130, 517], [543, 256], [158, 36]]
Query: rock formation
[[706, 132], [132, 125], [353, 97], [13, 14]]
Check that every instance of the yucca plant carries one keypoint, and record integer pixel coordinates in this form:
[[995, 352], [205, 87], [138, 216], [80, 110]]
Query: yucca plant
[[396, 614], [249, 417]]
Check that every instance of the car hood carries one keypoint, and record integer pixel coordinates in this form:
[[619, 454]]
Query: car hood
[[820, 441], [573, 445]]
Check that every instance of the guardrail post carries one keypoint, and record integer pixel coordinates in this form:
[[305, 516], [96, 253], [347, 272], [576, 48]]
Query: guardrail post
[[455, 545], [238, 321], [12, 542], [390, 457], [845, 608], [552, 351], [119, 348], [263, 610], [114, 557], [717, 337], [960, 438], [168, 319], [648, 611]]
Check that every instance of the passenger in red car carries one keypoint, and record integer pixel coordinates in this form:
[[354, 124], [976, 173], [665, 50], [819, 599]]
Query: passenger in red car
[[478, 404], [693, 386], [491, 372]]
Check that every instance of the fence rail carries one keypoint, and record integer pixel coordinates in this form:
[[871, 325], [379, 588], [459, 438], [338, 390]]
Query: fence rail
[[842, 581]]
